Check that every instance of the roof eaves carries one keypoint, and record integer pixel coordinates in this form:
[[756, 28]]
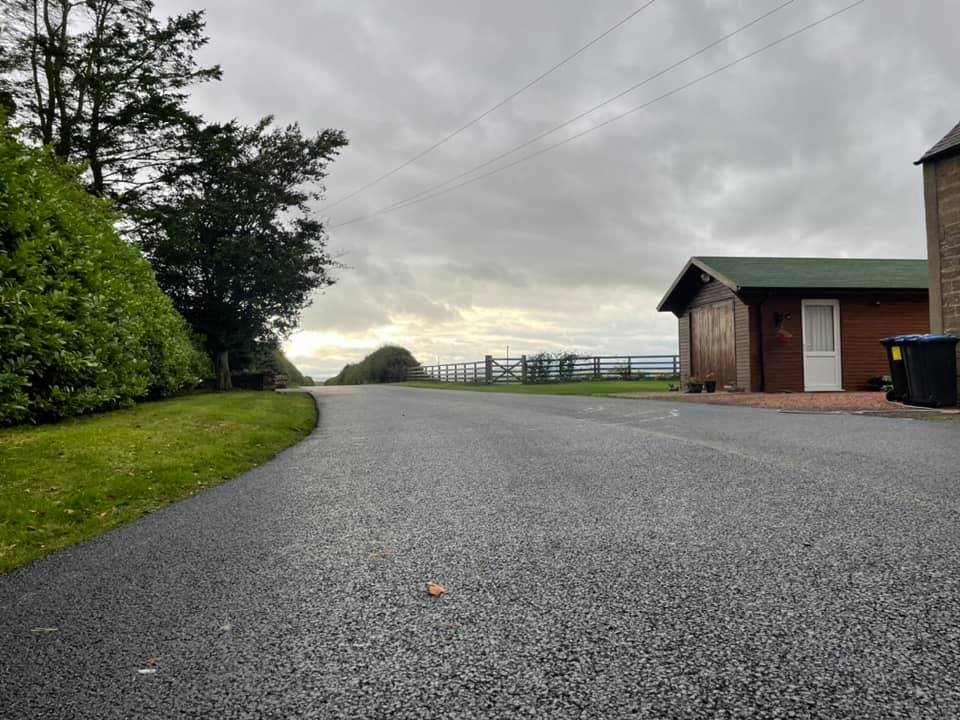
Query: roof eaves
[[673, 286], [704, 267], [948, 145], [718, 275]]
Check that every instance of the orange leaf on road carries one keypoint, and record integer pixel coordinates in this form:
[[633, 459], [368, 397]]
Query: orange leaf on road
[[435, 589]]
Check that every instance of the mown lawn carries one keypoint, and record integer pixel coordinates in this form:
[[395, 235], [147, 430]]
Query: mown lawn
[[62, 483], [582, 387]]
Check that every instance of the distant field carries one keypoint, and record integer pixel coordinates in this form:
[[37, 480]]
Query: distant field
[[584, 387]]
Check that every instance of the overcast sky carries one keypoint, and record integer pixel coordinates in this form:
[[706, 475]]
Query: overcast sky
[[803, 150]]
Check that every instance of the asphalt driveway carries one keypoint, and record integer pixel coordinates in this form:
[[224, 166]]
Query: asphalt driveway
[[603, 558]]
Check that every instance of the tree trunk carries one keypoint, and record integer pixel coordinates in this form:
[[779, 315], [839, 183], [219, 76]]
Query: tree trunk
[[96, 169], [223, 371]]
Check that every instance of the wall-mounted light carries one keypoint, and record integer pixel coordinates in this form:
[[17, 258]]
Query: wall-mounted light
[[705, 278]]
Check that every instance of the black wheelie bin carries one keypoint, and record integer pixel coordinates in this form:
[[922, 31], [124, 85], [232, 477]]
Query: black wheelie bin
[[898, 372], [931, 365]]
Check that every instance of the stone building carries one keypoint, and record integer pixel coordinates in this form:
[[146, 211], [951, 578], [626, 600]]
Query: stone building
[[941, 190]]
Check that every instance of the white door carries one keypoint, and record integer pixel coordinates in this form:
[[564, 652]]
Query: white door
[[821, 345]]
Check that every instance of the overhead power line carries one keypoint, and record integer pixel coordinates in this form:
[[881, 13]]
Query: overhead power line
[[421, 197], [452, 134], [589, 111]]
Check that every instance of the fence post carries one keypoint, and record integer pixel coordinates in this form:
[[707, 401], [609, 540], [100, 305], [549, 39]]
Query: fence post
[[676, 370], [629, 368], [596, 367], [489, 369], [523, 369]]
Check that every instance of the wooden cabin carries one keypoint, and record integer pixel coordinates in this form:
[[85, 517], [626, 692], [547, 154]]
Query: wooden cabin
[[794, 324]]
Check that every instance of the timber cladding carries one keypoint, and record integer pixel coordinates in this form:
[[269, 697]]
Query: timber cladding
[[711, 292], [862, 319], [743, 348], [755, 351], [712, 341], [684, 342], [714, 336], [781, 327]]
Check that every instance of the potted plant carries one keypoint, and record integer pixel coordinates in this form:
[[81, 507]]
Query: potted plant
[[710, 381], [694, 384]]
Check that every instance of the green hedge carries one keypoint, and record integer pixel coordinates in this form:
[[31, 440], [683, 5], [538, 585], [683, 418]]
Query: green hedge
[[388, 364], [83, 324]]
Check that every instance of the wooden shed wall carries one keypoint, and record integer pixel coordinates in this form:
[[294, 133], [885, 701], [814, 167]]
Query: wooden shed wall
[[783, 345], [756, 352], [741, 324], [863, 323], [709, 294], [713, 340], [684, 343]]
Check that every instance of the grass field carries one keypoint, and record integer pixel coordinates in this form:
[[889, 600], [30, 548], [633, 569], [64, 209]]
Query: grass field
[[65, 482], [582, 387]]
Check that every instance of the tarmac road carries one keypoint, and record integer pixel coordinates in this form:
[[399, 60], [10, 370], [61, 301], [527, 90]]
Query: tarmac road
[[602, 558]]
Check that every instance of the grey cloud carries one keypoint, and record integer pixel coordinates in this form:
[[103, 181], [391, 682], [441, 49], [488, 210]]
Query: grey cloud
[[804, 150]]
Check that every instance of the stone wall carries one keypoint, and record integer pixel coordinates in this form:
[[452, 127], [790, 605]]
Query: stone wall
[[942, 198]]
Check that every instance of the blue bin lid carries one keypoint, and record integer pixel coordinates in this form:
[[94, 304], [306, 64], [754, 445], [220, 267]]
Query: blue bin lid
[[926, 339]]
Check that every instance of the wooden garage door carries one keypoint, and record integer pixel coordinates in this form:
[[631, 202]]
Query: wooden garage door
[[712, 344]]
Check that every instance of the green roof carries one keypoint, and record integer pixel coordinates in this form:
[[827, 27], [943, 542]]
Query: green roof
[[847, 273], [757, 273]]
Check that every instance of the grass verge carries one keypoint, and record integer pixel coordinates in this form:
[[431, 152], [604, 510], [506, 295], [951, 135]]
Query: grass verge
[[582, 387], [66, 482]]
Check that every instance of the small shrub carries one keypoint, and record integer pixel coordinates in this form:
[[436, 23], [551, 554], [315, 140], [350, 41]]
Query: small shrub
[[540, 367], [567, 363]]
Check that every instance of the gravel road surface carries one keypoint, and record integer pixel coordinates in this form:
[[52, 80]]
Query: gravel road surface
[[602, 558]]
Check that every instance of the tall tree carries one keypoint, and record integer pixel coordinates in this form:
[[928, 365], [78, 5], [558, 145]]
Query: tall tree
[[104, 82], [234, 242]]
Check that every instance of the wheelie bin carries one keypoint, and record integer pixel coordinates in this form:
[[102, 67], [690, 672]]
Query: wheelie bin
[[898, 372], [930, 362]]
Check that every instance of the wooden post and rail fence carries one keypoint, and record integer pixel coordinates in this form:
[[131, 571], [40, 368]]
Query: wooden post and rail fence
[[543, 369]]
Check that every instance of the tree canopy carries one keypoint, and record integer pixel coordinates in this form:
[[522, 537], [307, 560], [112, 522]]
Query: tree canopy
[[103, 82], [233, 241], [222, 211]]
